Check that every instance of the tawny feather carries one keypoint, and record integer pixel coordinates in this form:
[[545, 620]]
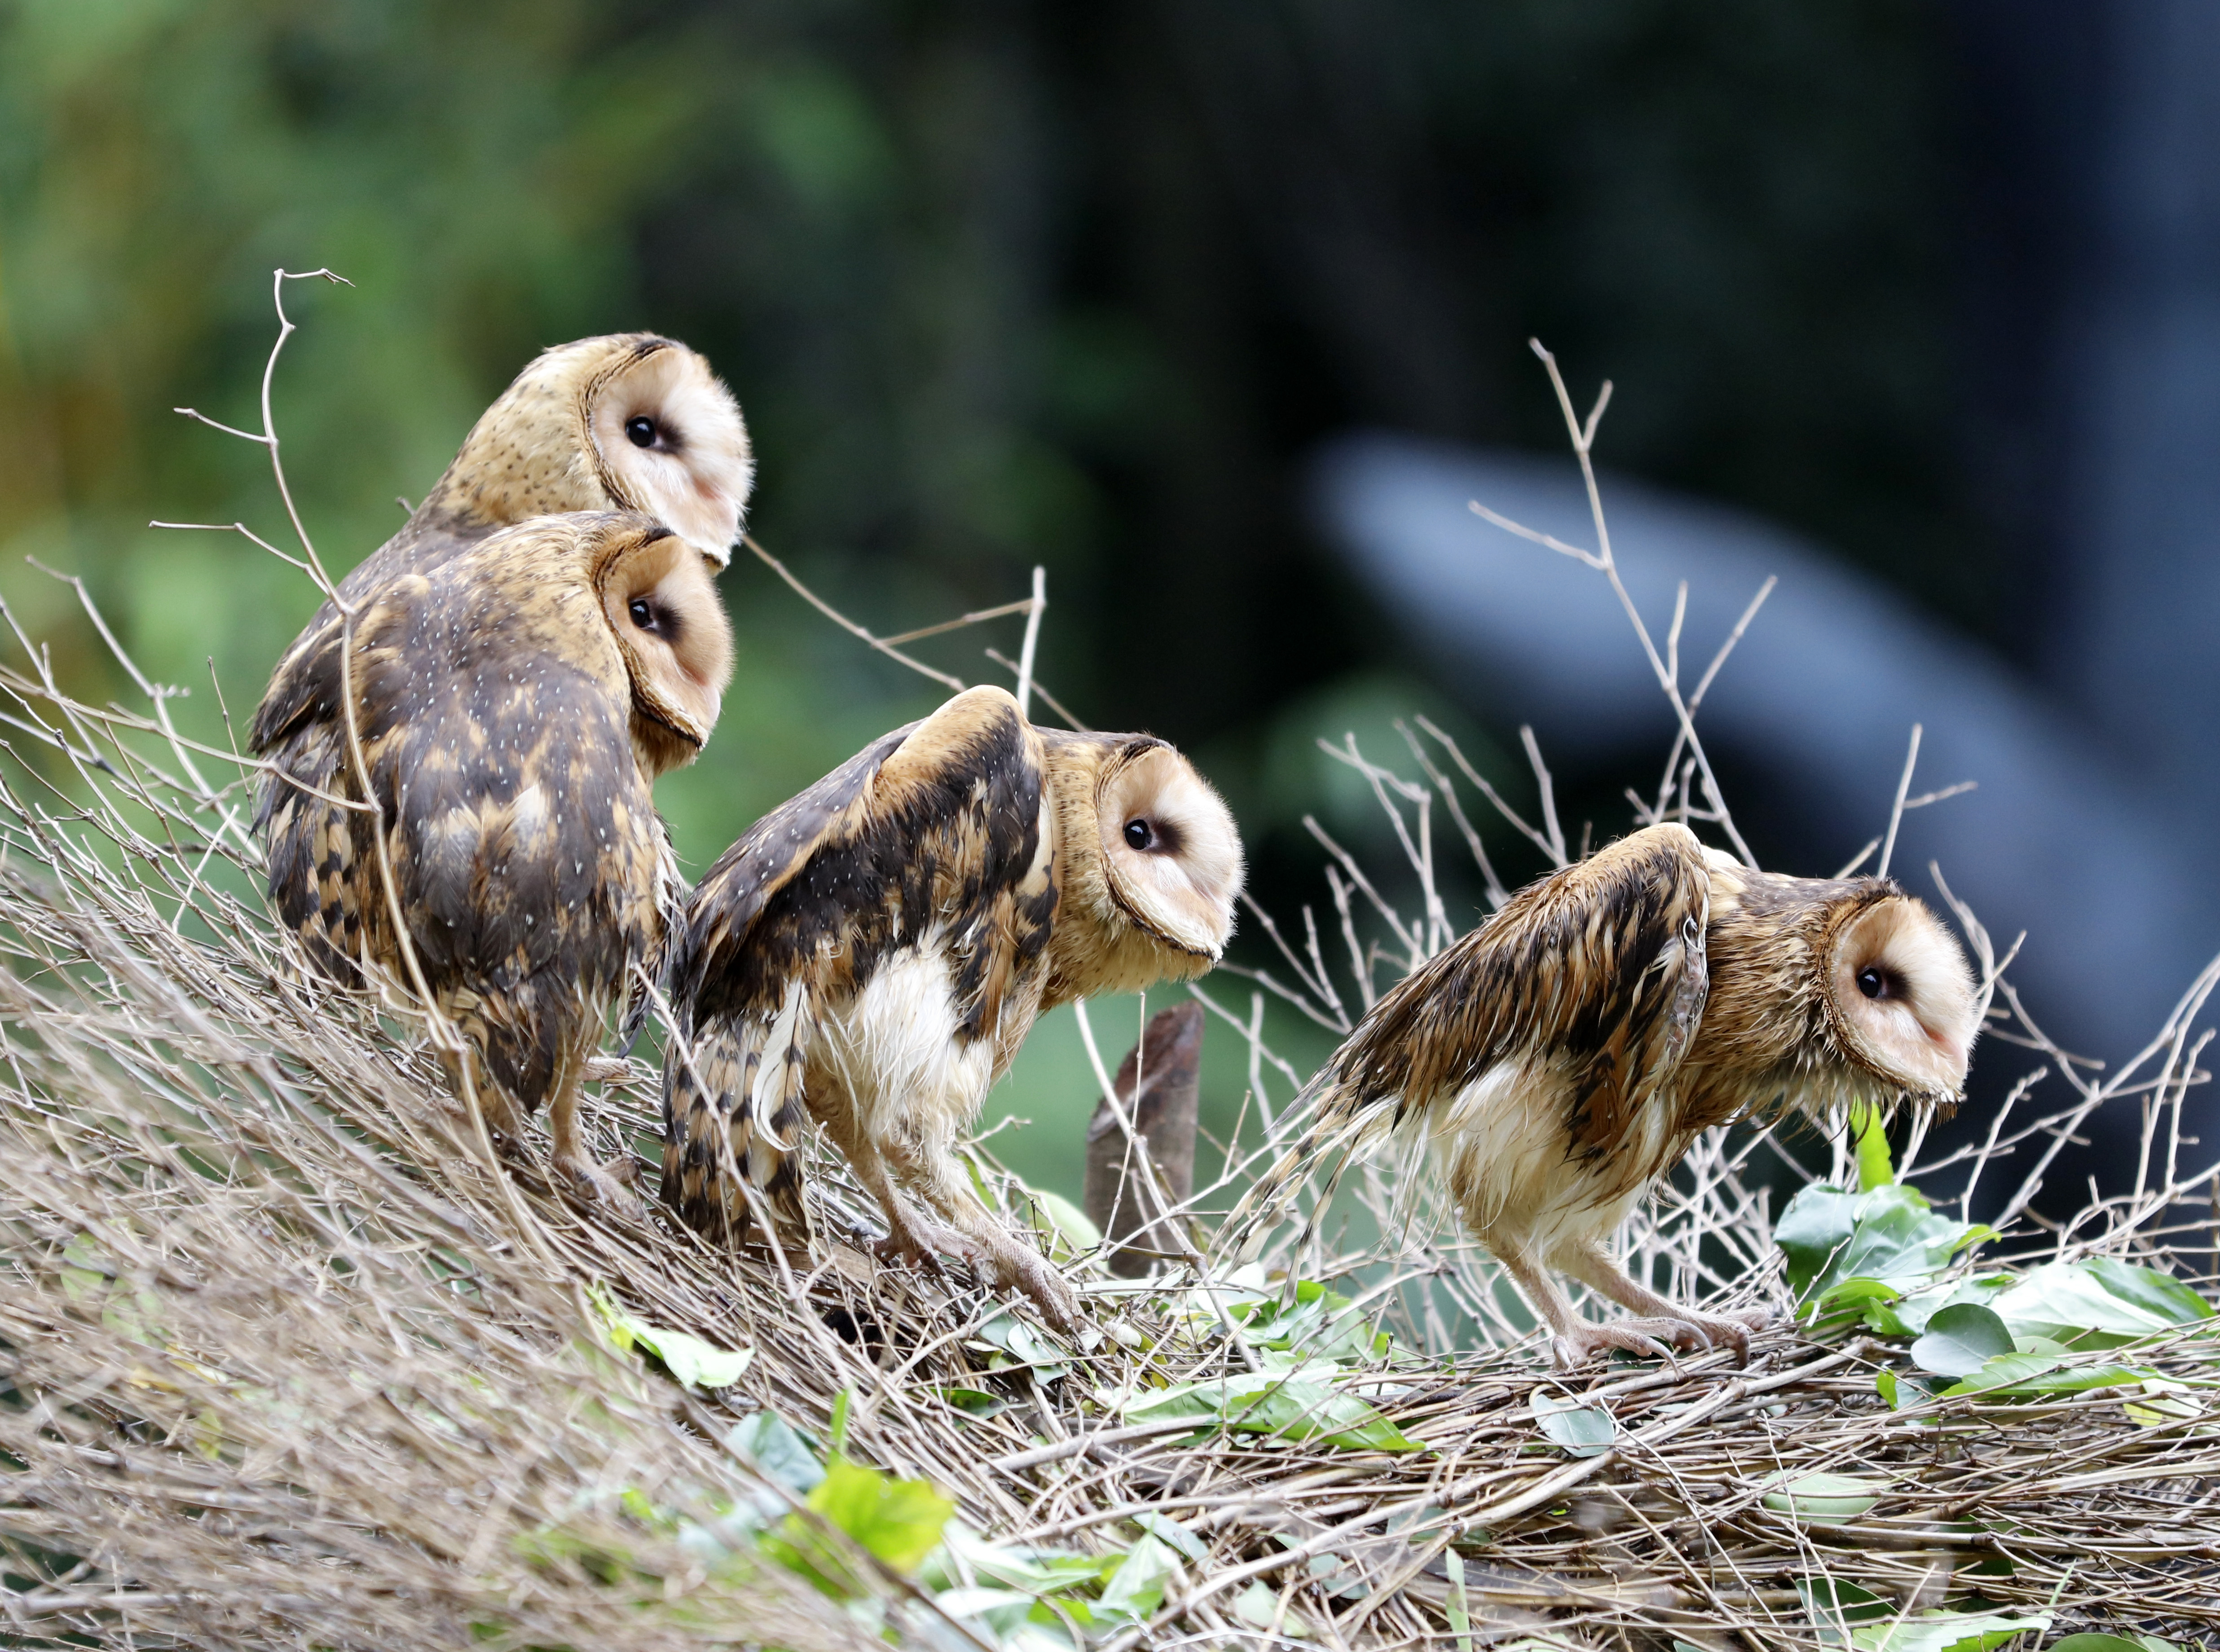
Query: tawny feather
[[1563, 1055], [927, 900]]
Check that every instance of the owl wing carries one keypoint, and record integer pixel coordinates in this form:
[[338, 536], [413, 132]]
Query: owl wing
[[524, 843], [1600, 967], [936, 831]]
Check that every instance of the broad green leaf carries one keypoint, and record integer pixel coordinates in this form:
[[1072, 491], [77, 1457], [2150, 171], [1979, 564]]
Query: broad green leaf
[[1582, 1431], [777, 1450], [1832, 1605], [1888, 1234], [1057, 1217], [1008, 1335], [2112, 1643], [2098, 1302], [695, 1361], [1258, 1606], [1822, 1499], [1961, 1339], [898, 1520], [1319, 1322], [1302, 1405], [973, 1402], [2034, 1376], [1945, 1632], [1137, 1587], [1874, 1169], [1169, 1530]]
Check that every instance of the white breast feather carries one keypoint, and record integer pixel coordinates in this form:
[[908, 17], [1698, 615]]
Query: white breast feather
[[893, 1048]]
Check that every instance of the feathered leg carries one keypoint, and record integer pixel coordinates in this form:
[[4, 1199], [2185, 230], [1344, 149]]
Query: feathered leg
[[595, 1184], [931, 1167], [1588, 1262]]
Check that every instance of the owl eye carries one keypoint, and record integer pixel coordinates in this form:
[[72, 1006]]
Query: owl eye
[[651, 617], [1138, 835], [641, 430], [1875, 982]]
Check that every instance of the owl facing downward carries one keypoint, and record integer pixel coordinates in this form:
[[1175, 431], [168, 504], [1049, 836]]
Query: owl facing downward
[[1566, 1053], [872, 953], [627, 422], [513, 704]]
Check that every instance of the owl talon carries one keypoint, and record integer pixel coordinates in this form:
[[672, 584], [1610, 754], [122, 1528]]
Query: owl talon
[[603, 1187]]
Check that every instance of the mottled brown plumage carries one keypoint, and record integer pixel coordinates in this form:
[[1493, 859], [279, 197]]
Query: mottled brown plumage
[[872, 953], [1563, 1055], [627, 422], [513, 704]]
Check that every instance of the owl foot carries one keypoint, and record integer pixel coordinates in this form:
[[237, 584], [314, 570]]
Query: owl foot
[[600, 1187], [1019, 1266], [1687, 1331]]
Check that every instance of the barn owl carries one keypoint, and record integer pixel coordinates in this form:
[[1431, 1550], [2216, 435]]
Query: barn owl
[[871, 954], [627, 422], [512, 703], [1563, 1055]]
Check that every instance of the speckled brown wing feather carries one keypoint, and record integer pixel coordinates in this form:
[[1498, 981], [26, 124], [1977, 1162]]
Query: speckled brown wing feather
[[1600, 968], [297, 728], [525, 847], [932, 835]]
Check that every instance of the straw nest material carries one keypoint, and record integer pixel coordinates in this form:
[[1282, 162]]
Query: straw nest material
[[292, 1362]]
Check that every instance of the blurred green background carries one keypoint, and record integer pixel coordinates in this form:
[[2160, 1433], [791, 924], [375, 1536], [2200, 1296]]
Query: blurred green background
[[996, 285]]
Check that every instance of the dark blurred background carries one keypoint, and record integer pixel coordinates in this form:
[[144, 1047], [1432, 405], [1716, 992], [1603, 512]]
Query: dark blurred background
[[1929, 294]]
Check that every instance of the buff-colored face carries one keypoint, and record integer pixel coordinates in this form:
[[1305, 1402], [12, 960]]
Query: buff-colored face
[[1900, 990], [678, 644], [1170, 849], [670, 444]]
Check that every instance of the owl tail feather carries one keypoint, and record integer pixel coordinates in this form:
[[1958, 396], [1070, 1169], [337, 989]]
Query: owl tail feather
[[1344, 1121], [734, 1108]]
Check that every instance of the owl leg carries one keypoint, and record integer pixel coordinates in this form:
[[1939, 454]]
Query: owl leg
[[1588, 1261], [1573, 1339], [935, 1172], [603, 1185]]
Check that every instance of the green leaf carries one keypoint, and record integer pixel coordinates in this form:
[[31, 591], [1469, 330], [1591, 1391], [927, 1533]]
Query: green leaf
[[1888, 1235], [693, 1360], [777, 1450], [1171, 1531], [2003, 1372], [2112, 1643], [898, 1520], [973, 1402], [1137, 1587], [1021, 1344], [1582, 1431], [1301, 1404], [1902, 1393], [1318, 1322], [1945, 1632], [1831, 1604], [1961, 1339], [2098, 1302], [1822, 1499], [1874, 1169], [1057, 1219], [1258, 1606]]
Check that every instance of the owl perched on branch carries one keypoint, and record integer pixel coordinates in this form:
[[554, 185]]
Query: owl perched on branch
[[1566, 1053], [871, 954], [512, 702], [628, 422]]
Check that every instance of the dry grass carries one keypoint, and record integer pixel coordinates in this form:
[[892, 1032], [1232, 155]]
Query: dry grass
[[293, 1363]]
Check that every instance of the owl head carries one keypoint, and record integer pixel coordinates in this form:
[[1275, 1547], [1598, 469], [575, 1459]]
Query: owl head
[[1150, 864], [662, 606], [1897, 994], [630, 422]]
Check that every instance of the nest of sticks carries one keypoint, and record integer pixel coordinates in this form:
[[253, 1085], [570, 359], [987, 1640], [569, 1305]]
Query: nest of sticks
[[290, 1360]]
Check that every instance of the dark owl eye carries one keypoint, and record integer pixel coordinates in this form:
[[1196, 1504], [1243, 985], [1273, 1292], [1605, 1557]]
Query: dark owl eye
[[649, 617], [1872, 982], [1137, 835], [641, 429]]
